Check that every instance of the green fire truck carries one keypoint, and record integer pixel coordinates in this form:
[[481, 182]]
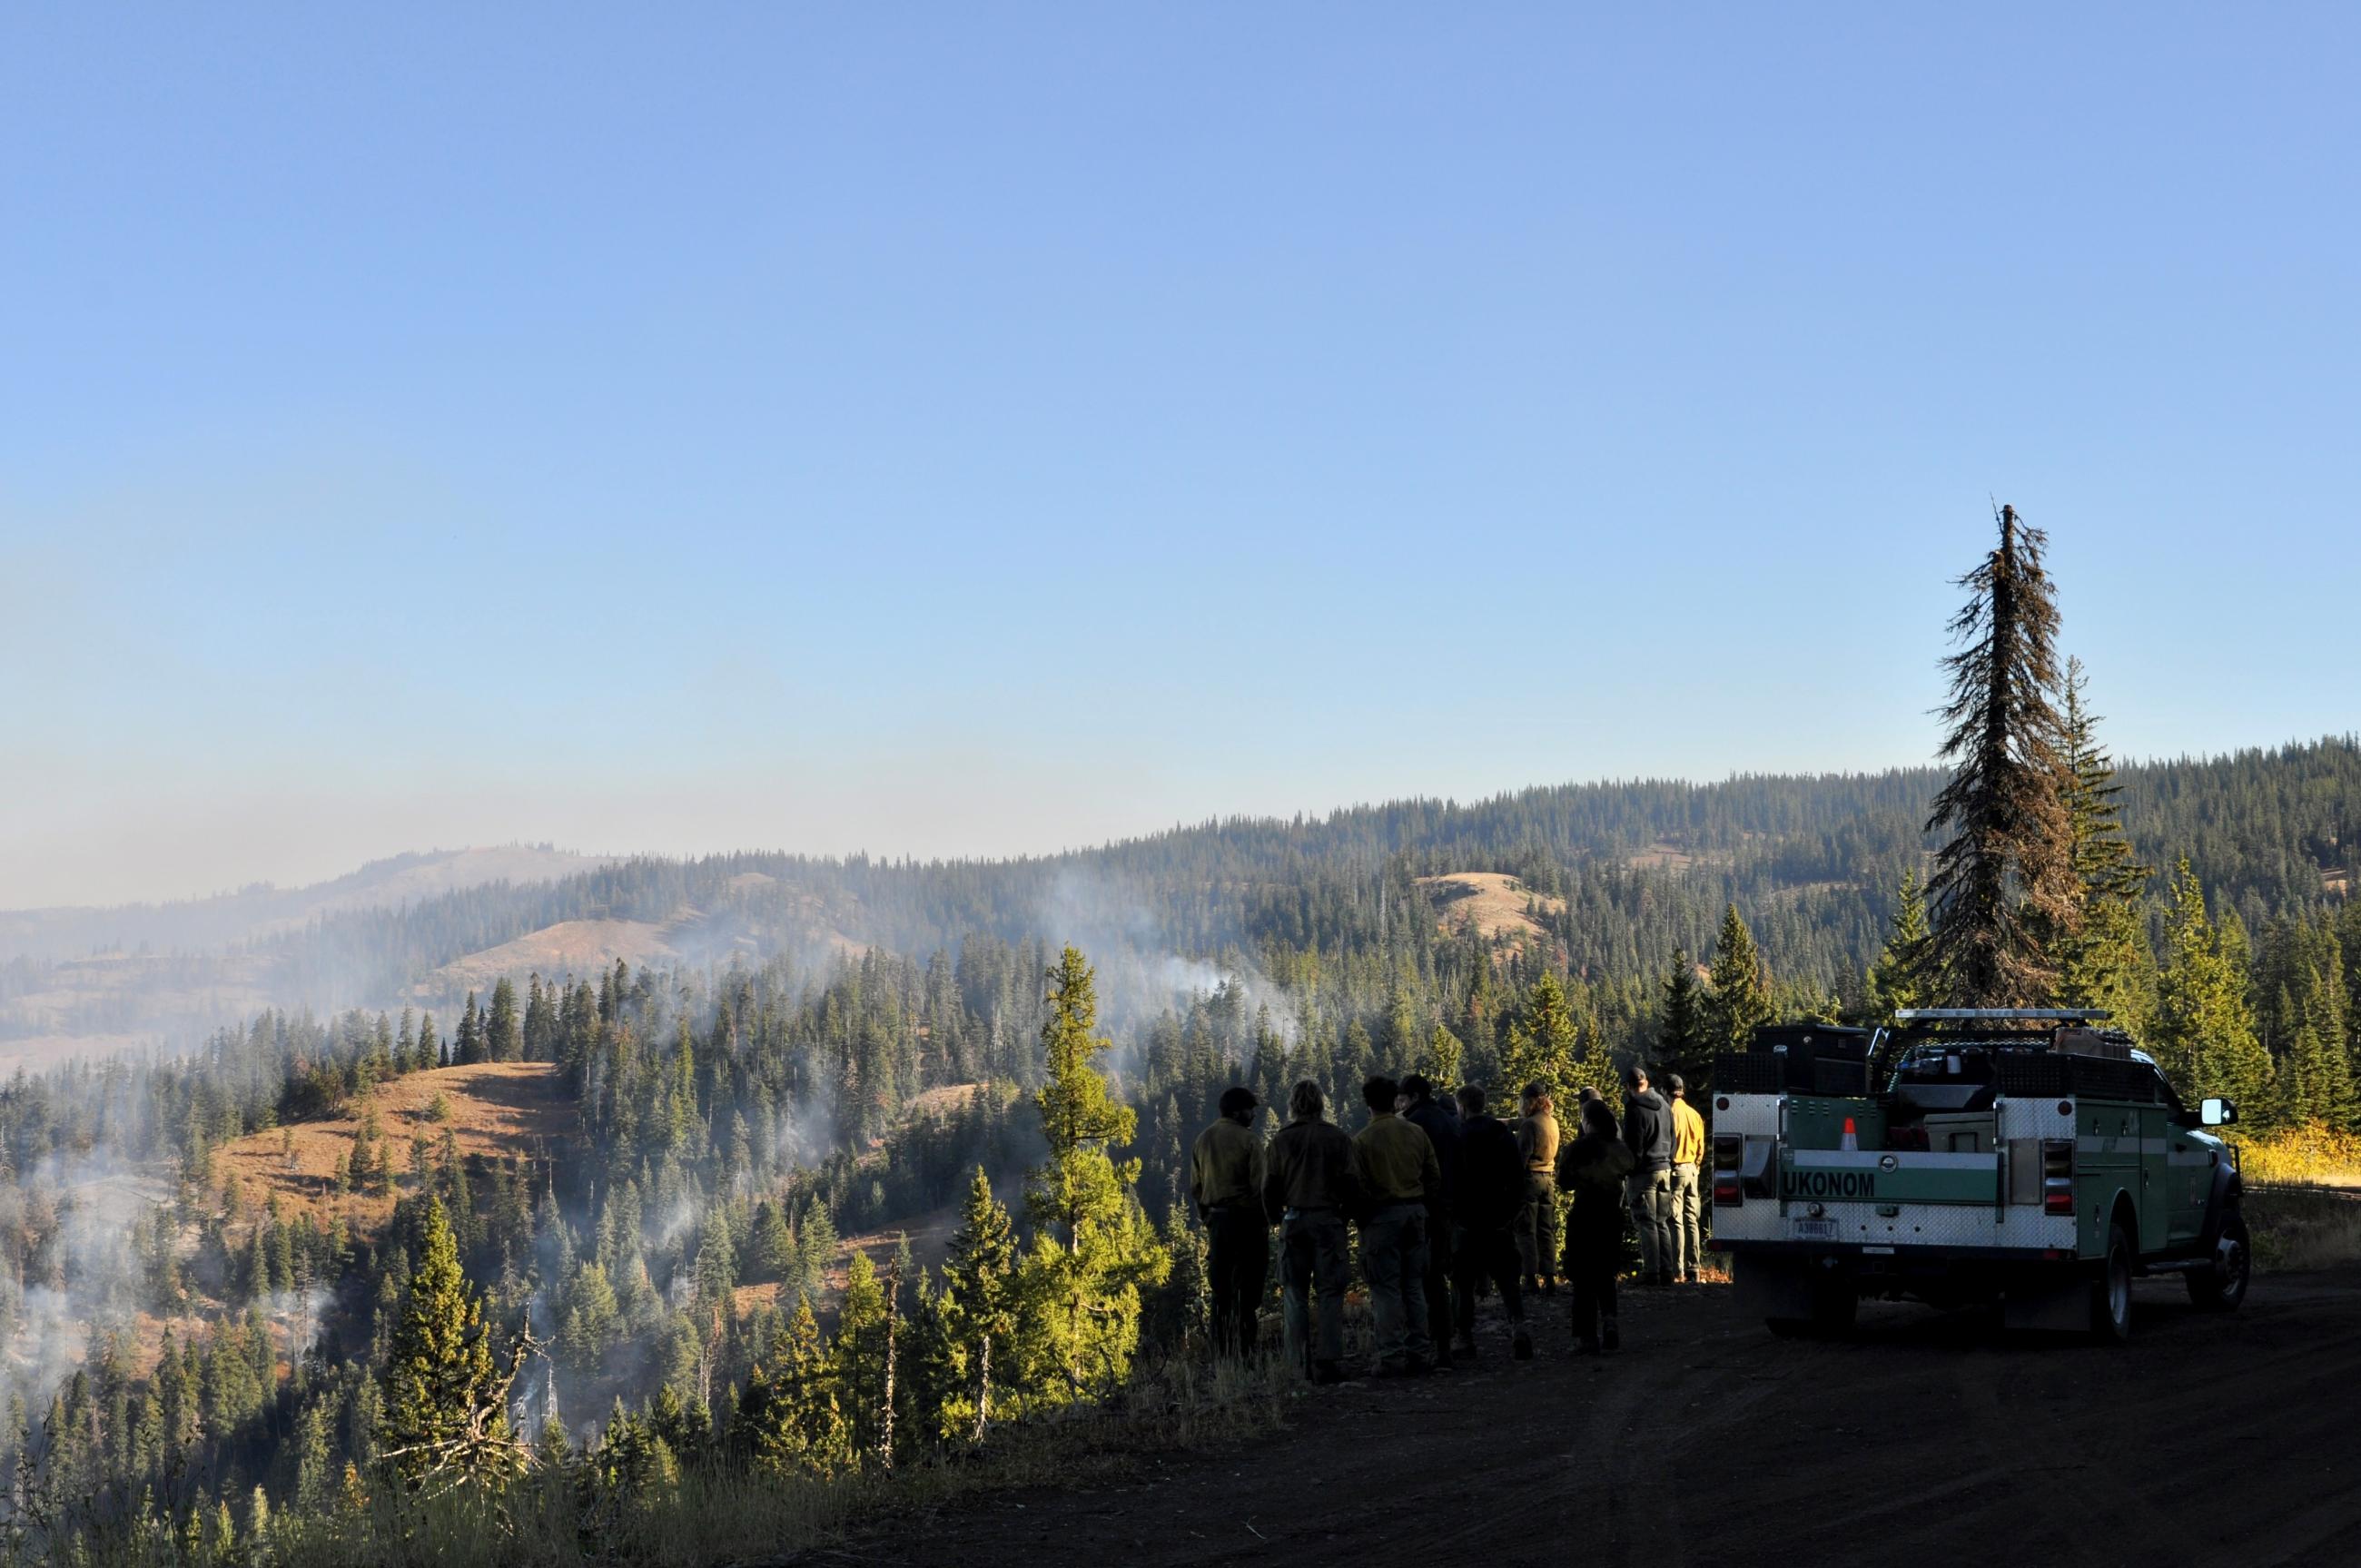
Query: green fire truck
[[2029, 1158]]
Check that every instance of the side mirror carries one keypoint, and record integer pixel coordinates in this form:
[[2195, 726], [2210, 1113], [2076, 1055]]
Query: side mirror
[[2217, 1113]]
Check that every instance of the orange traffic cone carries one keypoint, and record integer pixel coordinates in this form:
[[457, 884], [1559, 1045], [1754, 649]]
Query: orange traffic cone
[[1852, 1139]]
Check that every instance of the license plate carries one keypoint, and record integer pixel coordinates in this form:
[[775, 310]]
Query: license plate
[[1812, 1230]]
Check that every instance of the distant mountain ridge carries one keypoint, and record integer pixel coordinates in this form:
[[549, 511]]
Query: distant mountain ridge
[[1633, 867]]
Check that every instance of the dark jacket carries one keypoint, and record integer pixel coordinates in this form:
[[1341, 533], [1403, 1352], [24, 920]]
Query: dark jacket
[[1436, 1118], [1586, 1168], [1308, 1165], [1491, 1174], [1648, 1130]]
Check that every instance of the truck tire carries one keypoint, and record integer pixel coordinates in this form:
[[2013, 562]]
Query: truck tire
[[2110, 1288], [2223, 1287]]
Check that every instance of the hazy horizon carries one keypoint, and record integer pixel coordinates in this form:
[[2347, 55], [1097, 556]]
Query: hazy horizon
[[322, 868]]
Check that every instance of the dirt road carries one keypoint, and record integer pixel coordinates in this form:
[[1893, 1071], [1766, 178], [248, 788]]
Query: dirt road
[[1928, 1439]]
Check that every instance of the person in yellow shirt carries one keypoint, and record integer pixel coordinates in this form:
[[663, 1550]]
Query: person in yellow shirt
[[1689, 1154]]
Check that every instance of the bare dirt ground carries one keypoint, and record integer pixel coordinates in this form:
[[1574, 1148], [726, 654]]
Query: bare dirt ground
[[497, 1109], [1927, 1438]]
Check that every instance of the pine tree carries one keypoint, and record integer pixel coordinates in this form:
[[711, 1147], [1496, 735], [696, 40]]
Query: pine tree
[[2004, 886], [502, 1042], [978, 1312], [1681, 1033], [1442, 1060], [1541, 1044], [791, 1418], [1093, 1250], [1738, 995], [2101, 954], [1898, 979], [717, 1264], [775, 1257], [2204, 1034], [444, 1397]]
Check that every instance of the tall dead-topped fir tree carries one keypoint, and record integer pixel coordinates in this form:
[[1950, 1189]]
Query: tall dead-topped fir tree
[[2003, 883]]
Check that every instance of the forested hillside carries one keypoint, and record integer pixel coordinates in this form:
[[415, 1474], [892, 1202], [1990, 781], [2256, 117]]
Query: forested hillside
[[1643, 866], [635, 1177]]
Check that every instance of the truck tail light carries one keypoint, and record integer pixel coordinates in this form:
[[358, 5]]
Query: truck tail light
[[1729, 1158], [2057, 1176]]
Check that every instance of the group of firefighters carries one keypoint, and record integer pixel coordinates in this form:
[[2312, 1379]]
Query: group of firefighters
[[1448, 1200]]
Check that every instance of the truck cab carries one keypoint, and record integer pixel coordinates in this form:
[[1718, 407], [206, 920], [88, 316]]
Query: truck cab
[[2029, 1157]]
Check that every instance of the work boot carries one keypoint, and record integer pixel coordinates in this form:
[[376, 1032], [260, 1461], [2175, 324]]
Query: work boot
[[1610, 1337], [1464, 1345], [1523, 1346], [1548, 1284], [1584, 1345]]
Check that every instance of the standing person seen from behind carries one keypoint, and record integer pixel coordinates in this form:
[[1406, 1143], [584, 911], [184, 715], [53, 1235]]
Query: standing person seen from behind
[[1537, 1243], [1595, 1166], [1648, 1134], [1436, 1118], [1225, 1181], [1307, 1189], [1394, 1169], [1489, 1193], [1687, 1260]]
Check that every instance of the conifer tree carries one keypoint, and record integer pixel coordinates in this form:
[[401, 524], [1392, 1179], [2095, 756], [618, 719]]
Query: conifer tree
[[775, 1257], [2003, 890], [444, 1397], [795, 1420], [979, 1311], [1093, 1249], [1737, 997], [1442, 1060], [2204, 1034], [2101, 954], [468, 1047], [1681, 1032], [1898, 978], [503, 1041], [1541, 1044]]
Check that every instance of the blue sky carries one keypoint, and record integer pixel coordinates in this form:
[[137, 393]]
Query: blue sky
[[984, 429]]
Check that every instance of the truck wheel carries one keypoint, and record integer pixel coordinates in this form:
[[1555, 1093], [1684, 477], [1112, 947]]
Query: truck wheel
[[2221, 1288], [2111, 1289]]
